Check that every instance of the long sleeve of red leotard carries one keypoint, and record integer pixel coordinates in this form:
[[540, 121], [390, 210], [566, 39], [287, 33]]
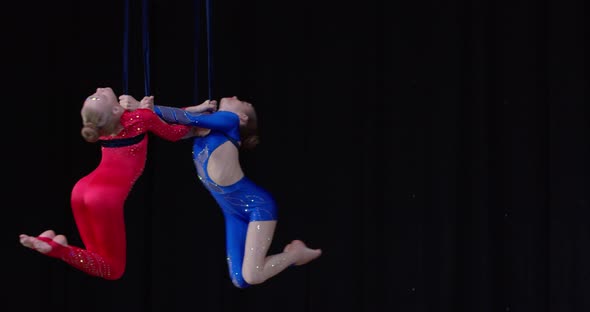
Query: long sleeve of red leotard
[[170, 132]]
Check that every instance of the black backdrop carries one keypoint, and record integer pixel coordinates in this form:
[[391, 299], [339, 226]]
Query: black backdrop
[[436, 151]]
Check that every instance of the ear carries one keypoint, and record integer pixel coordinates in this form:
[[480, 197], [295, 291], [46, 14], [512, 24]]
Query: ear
[[243, 118], [117, 109]]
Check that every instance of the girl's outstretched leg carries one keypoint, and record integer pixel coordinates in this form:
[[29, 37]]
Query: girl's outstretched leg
[[257, 266], [56, 246]]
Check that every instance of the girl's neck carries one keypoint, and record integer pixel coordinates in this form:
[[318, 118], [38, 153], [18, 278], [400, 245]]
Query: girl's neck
[[114, 127]]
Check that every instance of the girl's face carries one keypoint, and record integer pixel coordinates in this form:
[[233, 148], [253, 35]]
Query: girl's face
[[233, 104], [99, 107], [103, 97]]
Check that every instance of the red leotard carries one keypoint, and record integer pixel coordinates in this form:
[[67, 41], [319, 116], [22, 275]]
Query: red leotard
[[98, 198]]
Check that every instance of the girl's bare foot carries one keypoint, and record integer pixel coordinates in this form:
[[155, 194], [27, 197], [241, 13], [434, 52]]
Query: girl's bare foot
[[39, 245], [35, 243], [305, 253]]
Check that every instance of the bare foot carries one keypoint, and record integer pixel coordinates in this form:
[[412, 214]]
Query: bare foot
[[60, 239], [34, 243], [306, 254], [39, 245]]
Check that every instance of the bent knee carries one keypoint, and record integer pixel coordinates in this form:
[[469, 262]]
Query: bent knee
[[113, 277], [239, 281], [253, 277], [112, 272]]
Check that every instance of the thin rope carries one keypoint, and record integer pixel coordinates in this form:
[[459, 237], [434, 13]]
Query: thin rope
[[126, 48], [197, 12], [208, 12], [209, 49], [146, 48]]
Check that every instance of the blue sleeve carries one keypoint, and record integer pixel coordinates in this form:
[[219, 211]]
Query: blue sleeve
[[220, 121]]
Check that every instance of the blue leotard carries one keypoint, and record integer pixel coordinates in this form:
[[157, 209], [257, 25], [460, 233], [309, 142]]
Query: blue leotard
[[241, 202]]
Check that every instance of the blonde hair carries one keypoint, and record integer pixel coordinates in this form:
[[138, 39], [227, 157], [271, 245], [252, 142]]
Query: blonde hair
[[90, 132], [93, 119]]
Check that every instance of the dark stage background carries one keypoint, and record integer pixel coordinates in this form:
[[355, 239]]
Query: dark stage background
[[437, 151]]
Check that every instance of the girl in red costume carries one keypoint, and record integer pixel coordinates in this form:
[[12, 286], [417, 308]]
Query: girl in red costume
[[98, 199]]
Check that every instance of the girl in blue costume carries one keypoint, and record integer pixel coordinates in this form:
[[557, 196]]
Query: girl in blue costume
[[250, 211]]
